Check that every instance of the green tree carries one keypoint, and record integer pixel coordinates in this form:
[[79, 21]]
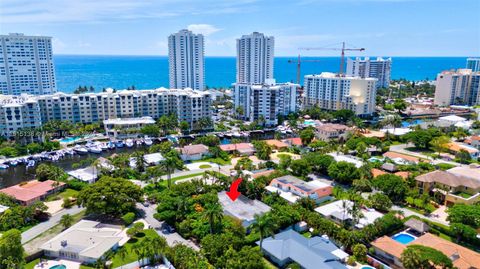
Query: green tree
[[264, 225], [110, 196], [300, 167], [343, 172], [466, 214], [391, 185], [307, 136], [128, 218], [360, 252], [11, 250], [66, 221], [400, 105], [49, 172], [184, 126], [150, 130], [172, 161], [423, 257], [439, 144], [380, 201], [463, 232], [263, 150], [213, 211]]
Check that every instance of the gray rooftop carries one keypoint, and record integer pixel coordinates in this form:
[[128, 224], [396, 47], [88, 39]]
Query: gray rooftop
[[310, 253], [242, 208], [87, 238], [294, 181]]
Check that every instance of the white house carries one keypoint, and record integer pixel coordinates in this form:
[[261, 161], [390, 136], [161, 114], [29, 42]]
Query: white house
[[193, 152]]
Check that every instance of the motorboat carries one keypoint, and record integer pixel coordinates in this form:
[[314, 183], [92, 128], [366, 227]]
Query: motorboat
[[13, 162], [3, 166], [95, 149], [129, 143], [148, 141], [119, 144], [236, 134], [80, 150], [111, 145], [31, 163], [103, 146], [139, 142]]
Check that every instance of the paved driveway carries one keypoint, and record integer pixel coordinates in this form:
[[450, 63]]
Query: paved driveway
[[44, 226]]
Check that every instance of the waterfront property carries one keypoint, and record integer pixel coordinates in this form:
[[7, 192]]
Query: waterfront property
[[86, 242], [123, 128], [338, 211], [461, 87], [331, 131], [310, 253], [242, 208], [32, 191], [332, 92], [276, 144], [378, 68], [456, 147], [292, 188], [400, 158], [255, 53], [26, 65], [33, 111], [390, 249], [456, 185], [264, 102], [245, 149], [194, 152]]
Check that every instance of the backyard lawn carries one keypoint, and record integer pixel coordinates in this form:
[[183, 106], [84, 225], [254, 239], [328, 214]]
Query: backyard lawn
[[131, 256], [63, 194]]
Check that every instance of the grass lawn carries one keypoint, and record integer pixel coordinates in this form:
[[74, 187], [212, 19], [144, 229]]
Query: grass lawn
[[218, 161], [269, 265], [32, 264], [131, 256], [205, 166], [63, 194]]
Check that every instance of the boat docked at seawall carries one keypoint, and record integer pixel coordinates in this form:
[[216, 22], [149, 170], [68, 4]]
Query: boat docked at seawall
[[129, 143], [3, 166], [80, 150], [119, 144], [148, 141]]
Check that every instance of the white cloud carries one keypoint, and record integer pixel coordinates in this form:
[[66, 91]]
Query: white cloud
[[204, 29]]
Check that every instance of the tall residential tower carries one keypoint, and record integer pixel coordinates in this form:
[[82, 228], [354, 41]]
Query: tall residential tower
[[474, 64], [366, 68], [186, 60], [255, 58], [26, 65], [461, 87]]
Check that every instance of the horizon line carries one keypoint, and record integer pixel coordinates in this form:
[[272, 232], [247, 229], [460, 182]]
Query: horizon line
[[280, 56]]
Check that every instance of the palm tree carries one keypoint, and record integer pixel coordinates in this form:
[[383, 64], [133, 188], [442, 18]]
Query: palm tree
[[122, 253], [264, 225], [139, 161], [66, 220], [212, 212], [169, 165]]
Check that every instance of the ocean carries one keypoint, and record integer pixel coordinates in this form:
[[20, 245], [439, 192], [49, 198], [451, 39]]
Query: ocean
[[148, 72]]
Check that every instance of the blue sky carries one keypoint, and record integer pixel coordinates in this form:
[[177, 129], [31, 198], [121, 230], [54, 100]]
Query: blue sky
[[141, 27]]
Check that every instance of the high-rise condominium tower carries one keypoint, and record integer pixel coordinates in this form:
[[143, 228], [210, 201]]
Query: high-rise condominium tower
[[367, 68], [474, 64], [255, 58], [461, 87], [186, 60], [26, 65]]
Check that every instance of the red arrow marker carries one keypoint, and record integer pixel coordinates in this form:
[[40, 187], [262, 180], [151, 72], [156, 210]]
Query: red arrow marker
[[234, 193]]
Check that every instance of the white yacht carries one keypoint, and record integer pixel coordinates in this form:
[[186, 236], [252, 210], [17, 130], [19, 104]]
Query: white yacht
[[129, 143], [148, 141]]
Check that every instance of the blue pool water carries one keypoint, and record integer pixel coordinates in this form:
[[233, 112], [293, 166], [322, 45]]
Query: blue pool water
[[367, 267], [69, 139], [58, 266], [309, 122], [403, 238], [406, 124]]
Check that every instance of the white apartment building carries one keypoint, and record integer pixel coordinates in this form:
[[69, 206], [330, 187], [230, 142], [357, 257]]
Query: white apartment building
[[459, 87], [267, 100], [332, 92], [255, 53], [26, 65], [18, 112], [379, 68], [474, 64], [186, 60]]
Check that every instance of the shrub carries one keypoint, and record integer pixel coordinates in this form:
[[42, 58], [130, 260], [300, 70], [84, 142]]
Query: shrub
[[128, 218], [67, 203]]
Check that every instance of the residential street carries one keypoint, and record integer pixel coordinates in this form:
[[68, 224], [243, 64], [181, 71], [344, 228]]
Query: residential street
[[172, 238], [402, 149], [44, 226]]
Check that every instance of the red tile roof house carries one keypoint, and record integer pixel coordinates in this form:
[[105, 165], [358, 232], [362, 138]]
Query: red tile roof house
[[332, 131], [295, 141], [292, 188], [245, 149], [194, 152], [32, 191]]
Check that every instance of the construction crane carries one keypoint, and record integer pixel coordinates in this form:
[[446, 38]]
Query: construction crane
[[342, 58], [299, 63]]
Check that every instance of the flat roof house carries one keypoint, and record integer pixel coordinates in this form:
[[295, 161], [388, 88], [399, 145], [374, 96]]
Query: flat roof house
[[400, 158], [292, 188], [390, 250], [310, 253], [86, 242], [193, 152], [32, 191], [453, 184], [242, 208], [119, 127], [338, 211]]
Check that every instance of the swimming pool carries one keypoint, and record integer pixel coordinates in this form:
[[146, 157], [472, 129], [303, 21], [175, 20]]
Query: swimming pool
[[309, 122], [406, 124], [58, 266], [70, 139], [367, 267], [403, 238]]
